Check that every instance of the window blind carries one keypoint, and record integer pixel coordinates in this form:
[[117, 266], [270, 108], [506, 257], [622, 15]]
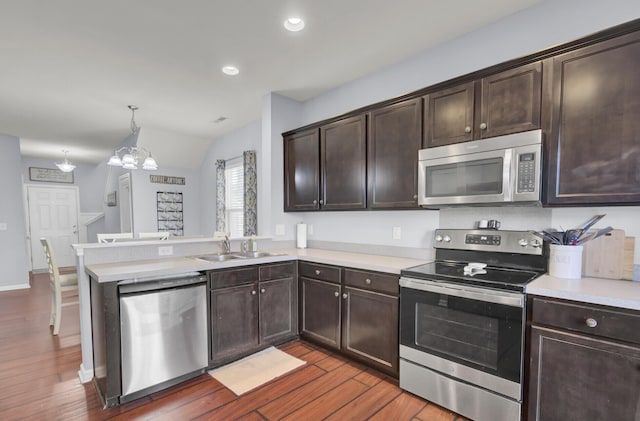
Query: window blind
[[234, 197]]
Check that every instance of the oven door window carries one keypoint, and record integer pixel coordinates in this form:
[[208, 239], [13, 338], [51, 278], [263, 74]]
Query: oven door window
[[469, 178], [478, 334]]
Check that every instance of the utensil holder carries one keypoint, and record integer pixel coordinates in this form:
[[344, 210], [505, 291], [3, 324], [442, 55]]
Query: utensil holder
[[565, 261]]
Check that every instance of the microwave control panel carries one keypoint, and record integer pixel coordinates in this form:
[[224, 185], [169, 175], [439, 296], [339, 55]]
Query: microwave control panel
[[526, 173]]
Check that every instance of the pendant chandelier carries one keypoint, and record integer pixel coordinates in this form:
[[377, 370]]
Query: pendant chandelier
[[66, 165], [128, 157]]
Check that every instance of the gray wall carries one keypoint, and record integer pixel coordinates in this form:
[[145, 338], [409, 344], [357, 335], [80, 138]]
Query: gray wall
[[226, 147], [13, 241], [539, 27]]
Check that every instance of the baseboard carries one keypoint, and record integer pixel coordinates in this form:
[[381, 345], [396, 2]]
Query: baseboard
[[15, 286]]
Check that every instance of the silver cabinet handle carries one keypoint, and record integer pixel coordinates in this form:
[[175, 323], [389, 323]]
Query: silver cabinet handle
[[467, 129], [262, 291], [253, 292], [336, 293], [345, 296], [367, 281], [590, 322], [415, 196], [317, 272], [483, 126], [321, 201]]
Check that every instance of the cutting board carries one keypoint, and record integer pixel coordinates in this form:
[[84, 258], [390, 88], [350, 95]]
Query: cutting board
[[604, 256]]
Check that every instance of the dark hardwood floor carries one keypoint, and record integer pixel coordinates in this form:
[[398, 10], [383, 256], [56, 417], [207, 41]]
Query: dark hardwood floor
[[38, 380]]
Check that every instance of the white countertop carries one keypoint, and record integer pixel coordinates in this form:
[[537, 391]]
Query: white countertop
[[609, 292], [108, 272]]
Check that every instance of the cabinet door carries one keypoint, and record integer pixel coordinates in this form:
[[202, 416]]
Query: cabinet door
[[278, 310], [574, 377], [594, 146], [343, 163], [448, 116], [302, 171], [395, 137], [234, 321], [510, 101], [371, 328], [320, 311]]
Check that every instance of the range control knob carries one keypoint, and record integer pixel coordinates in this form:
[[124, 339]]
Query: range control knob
[[523, 242], [536, 244], [447, 239], [438, 238]]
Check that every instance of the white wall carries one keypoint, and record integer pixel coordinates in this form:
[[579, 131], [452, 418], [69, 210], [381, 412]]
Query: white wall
[[145, 206], [13, 242], [227, 147], [543, 25]]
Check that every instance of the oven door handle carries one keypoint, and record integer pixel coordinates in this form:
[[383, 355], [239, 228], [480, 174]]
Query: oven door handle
[[497, 297]]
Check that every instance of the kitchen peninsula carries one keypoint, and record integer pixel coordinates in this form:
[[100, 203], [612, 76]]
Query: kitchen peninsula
[[105, 263]]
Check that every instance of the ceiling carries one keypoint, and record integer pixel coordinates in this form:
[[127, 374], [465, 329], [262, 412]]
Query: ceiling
[[70, 67]]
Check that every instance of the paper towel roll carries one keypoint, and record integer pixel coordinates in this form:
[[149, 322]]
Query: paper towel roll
[[301, 236]]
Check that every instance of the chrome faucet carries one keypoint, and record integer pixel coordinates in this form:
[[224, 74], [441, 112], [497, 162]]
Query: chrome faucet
[[226, 245]]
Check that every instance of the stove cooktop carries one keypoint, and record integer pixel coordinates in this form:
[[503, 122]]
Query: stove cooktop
[[495, 277]]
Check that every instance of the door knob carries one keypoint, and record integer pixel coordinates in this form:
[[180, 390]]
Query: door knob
[[336, 294]]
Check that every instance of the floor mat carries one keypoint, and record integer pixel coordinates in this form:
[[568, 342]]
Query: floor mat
[[255, 370]]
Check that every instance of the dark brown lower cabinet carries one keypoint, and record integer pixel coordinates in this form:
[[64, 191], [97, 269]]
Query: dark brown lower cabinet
[[320, 311], [356, 314], [370, 329], [278, 315], [234, 321], [248, 313], [579, 376]]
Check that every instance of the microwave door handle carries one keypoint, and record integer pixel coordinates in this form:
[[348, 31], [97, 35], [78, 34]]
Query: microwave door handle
[[508, 174]]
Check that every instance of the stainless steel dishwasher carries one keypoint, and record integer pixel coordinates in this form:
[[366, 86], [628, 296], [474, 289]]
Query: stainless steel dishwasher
[[163, 330]]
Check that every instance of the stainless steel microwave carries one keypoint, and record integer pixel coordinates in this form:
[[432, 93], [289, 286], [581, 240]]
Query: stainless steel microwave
[[500, 170]]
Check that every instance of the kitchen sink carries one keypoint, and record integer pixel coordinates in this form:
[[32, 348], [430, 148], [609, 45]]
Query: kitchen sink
[[254, 254], [223, 257], [219, 257]]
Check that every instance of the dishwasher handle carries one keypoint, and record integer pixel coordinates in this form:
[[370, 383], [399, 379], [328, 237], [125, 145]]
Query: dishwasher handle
[[133, 286]]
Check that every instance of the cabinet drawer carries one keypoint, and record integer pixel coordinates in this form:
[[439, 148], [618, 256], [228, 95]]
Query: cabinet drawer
[[233, 277], [371, 281], [278, 271], [605, 322], [321, 272]]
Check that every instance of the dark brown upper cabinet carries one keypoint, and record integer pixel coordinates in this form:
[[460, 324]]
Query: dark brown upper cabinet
[[343, 164], [594, 143], [302, 171], [325, 168], [448, 115], [503, 103], [395, 137]]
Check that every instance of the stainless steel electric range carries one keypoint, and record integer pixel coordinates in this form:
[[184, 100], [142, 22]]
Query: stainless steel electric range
[[462, 321]]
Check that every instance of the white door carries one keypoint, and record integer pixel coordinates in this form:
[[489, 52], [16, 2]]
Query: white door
[[53, 213], [126, 210]]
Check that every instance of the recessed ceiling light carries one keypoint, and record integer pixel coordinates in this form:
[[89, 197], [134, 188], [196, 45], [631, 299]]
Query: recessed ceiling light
[[294, 24], [230, 70]]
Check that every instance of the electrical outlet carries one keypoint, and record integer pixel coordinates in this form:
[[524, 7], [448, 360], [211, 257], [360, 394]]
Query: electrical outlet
[[397, 233], [279, 229], [310, 229], [165, 251]]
